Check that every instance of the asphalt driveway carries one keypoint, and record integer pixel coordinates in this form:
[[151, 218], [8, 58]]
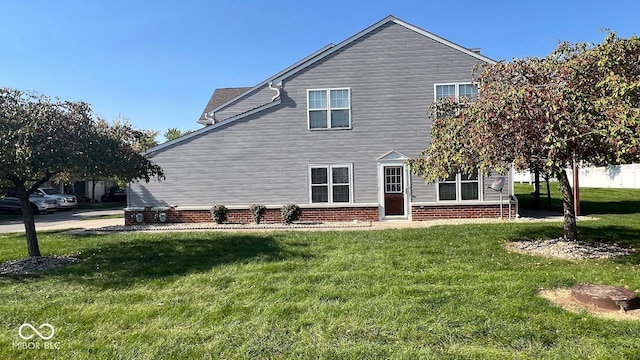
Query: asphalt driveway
[[73, 219]]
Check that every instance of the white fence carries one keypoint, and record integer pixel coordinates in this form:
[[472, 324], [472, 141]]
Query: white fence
[[614, 176]]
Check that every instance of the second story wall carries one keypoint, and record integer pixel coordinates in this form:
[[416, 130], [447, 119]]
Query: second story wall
[[391, 73]]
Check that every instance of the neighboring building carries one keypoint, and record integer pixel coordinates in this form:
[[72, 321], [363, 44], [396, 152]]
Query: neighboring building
[[625, 176], [83, 189], [331, 134]]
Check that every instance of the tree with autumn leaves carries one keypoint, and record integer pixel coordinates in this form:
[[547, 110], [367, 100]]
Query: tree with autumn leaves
[[106, 152], [580, 103], [41, 138]]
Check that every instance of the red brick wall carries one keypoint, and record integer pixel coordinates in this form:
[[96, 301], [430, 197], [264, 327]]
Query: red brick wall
[[271, 216], [340, 214], [419, 213]]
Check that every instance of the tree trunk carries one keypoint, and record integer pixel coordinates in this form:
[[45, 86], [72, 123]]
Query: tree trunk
[[93, 190], [29, 224], [570, 226], [536, 192], [546, 179]]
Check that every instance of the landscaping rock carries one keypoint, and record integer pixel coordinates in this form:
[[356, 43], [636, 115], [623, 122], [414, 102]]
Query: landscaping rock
[[36, 264], [561, 248]]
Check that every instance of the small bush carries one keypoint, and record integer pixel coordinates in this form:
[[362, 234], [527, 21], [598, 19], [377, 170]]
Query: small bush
[[257, 212], [290, 213], [219, 213]]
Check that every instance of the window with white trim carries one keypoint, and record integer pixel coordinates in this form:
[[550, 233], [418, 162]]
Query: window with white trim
[[457, 91], [469, 186], [329, 108], [330, 184], [459, 187], [447, 189]]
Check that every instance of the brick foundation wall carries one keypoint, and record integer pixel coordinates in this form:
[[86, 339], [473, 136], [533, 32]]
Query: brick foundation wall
[[419, 213], [422, 213], [271, 216]]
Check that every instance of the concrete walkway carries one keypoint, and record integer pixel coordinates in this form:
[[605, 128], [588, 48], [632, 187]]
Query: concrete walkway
[[89, 220]]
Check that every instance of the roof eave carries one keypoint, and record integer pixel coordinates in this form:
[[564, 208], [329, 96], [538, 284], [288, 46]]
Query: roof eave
[[373, 27], [445, 41], [331, 48], [265, 82]]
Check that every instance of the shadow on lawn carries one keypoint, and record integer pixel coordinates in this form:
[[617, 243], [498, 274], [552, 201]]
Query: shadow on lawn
[[124, 263], [610, 207], [592, 207]]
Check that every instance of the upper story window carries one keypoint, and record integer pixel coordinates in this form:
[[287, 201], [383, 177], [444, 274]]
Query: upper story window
[[457, 91], [469, 91], [329, 108], [459, 187], [330, 183]]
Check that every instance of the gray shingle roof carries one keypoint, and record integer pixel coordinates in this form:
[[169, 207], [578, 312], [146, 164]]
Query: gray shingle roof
[[221, 96]]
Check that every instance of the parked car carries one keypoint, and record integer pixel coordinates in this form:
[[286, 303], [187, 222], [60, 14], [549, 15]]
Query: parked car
[[119, 195], [65, 201], [39, 204]]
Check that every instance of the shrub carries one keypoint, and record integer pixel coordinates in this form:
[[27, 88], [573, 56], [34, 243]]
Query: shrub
[[257, 212], [219, 213], [290, 213]]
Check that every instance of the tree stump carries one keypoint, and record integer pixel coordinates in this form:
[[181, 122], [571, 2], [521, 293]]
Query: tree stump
[[606, 297]]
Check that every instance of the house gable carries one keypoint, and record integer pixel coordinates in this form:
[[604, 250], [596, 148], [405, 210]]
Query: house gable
[[374, 27], [261, 149], [228, 109], [393, 156], [235, 103]]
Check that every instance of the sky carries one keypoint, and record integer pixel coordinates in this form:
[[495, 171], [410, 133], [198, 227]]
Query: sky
[[158, 62]]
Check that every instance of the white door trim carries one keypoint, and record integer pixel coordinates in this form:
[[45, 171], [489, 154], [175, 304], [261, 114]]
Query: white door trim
[[394, 158]]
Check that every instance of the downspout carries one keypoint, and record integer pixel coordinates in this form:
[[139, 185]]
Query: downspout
[[276, 89], [513, 193], [210, 117], [129, 195]]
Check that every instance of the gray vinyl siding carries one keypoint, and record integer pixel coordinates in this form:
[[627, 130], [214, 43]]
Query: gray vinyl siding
[[264, 157], [492, 195], [421, 191]]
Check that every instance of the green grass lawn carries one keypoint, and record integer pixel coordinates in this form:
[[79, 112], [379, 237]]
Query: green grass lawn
[[433, 293], [593, 201]]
